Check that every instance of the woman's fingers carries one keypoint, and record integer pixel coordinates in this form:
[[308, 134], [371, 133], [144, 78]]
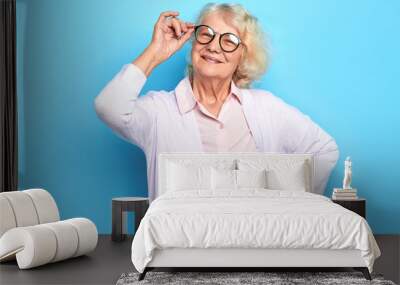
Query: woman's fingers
[[177, 27], [186, 26], [189, 25], [181, 27], [189, 29], [180, 30], [166, 14], [169, 34], [185, 36]]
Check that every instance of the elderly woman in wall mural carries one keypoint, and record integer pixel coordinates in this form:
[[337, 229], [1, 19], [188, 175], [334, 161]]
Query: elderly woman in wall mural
[[213, 109]]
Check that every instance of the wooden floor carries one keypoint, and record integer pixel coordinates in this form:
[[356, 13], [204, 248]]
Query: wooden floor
[[111, 259]]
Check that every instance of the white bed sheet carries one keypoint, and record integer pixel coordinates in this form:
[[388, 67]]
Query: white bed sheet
[[250, 218]]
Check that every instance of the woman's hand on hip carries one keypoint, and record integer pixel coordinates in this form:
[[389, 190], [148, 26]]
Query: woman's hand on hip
[[169, 35]]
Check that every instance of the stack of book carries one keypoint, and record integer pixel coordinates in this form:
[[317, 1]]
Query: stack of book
[[344, 194]]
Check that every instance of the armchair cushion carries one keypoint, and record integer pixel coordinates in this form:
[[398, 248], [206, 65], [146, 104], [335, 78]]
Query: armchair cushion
[[45, 243], [32, 233], [26, 208]]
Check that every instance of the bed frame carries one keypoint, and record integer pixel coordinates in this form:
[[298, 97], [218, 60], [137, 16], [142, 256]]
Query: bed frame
[[248, 259], [261, 259]]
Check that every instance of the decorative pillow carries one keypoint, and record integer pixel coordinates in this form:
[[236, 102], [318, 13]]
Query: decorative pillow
[[287, 179], [251, 178], [223, 179], [188, 177], [282, 174]]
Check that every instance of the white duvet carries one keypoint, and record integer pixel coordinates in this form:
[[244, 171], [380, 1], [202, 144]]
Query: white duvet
[[251, 218]]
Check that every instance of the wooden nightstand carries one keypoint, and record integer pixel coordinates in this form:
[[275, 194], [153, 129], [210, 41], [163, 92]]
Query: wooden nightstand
[[122, 205], [358, 206]]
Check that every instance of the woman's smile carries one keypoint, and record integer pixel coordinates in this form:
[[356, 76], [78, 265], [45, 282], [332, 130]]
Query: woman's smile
[[210, 59]]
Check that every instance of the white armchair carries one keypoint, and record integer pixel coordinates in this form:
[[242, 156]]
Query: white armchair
[[31, 231]]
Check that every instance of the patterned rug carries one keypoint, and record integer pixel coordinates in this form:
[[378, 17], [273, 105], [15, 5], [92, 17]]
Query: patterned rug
[[243, 278]]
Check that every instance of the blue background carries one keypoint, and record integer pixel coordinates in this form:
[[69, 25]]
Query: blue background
[[337, 61]]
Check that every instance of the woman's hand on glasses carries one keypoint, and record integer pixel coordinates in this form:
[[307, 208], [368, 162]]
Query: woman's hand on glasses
[[169, 34]]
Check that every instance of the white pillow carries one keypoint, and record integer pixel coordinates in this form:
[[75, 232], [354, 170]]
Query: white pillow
[[188, 177], [251, 178], [228, 179], [288, 179], [282, 174], [223, 179]]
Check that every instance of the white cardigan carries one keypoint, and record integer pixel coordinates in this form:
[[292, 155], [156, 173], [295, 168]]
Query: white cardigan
[[155, 124]]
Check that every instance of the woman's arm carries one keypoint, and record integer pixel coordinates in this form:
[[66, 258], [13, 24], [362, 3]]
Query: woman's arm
[[147, 61], [119, 104], [305, 136], [120, 107]]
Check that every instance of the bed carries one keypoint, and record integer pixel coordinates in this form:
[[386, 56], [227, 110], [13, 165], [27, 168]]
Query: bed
[[247, 210]]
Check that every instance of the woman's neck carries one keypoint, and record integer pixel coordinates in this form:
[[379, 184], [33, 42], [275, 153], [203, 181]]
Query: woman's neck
[[210, 91]]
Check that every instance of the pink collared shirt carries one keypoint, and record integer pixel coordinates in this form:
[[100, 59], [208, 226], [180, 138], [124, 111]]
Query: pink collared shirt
[[229, 131]]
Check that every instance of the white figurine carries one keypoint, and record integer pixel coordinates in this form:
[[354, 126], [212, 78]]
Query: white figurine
[[347, 173]]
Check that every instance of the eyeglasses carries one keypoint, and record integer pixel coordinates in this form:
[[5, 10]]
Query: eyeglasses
[[228, 42]]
